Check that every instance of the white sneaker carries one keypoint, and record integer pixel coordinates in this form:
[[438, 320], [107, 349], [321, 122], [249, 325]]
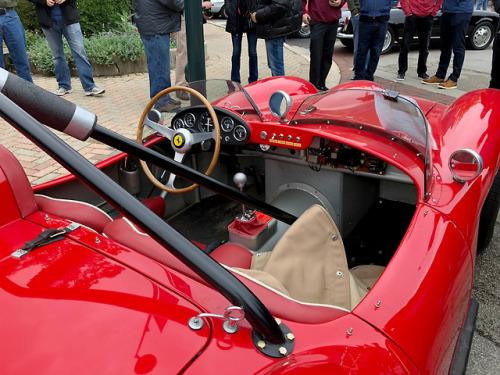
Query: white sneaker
[[95, 91], [62, 91]]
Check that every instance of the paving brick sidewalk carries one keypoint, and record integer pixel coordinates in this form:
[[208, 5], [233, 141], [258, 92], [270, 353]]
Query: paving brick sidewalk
[[120, 108]]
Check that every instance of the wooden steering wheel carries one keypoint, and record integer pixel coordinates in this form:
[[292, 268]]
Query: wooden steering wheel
[[181, 140]]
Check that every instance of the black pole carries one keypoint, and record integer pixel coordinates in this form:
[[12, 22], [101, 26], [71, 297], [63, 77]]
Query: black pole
[[217, 276], [195, 41]]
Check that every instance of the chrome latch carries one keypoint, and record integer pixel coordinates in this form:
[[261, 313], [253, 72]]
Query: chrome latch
[[232, 315]]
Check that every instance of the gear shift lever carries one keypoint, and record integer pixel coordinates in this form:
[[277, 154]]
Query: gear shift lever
[[240, 180]]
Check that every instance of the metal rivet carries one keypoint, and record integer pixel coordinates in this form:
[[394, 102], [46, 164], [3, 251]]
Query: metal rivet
[[290, 336], [395, 156], [278, 321], [377, 305], [283, 350], [360, 128], [340, 274], [426, 212], [334, 237], [47, 217], [350, 331], [97, 240], [261, 344], [434, 200], [438, 178]]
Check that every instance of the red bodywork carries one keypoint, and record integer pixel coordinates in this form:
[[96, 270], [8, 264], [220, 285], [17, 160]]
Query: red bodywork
[[89, 305]]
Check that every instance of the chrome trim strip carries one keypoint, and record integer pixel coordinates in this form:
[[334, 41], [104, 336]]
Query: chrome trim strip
[[81, 125]]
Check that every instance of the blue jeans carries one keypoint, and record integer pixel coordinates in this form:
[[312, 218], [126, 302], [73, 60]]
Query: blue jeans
[[12, 32], [483, 3], [74, 37], [157, 49], [252, 57], [355, 33], [274, 51], [371, 40], [453, 28]]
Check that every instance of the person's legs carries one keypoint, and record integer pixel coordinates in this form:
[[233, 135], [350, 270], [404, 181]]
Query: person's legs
[[316, 43], [236, 57], [355, 30], [181, 55], [252, 56], [495, 63], [274, 51], [459, 30], [408, 32], [327, 58], [12, 31], [157, 49], [424, 28], [55, 41], [364, 40], [378, 38], [445, 33]]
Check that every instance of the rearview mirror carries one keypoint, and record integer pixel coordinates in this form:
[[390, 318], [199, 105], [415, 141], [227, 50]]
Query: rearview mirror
[[279, 104], [465, 165]]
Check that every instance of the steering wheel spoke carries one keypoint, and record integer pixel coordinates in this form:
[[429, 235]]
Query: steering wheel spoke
[[181, 140]]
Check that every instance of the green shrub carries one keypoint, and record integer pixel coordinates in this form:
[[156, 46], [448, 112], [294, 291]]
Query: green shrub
[[95, 15]]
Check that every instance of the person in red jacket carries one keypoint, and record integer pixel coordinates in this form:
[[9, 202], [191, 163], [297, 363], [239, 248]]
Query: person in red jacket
[[419, 17], [322, 16]]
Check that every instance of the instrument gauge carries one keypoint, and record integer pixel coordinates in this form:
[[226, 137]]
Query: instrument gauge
[[206, 123], [240, 133], [227, 124], [178, 123], [190, 120]]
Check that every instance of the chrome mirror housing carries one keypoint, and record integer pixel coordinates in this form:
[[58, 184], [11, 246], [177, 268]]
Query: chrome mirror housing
[[279, 104], [465, 165]]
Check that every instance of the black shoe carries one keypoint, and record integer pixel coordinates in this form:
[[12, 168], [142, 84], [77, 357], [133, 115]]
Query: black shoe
[[424, 76], [321, 88], [170, 106], [400, 77]]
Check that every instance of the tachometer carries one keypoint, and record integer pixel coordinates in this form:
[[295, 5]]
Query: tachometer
[[206, 123], [227, 124]]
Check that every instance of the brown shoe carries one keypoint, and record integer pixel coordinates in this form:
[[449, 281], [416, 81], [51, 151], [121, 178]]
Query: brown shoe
[[447, 85], [432, 81]]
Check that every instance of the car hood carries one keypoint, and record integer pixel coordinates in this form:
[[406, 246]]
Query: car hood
[[68, 309]]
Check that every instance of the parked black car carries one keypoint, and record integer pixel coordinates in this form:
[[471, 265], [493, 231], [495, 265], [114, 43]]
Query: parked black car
[[479, 35]]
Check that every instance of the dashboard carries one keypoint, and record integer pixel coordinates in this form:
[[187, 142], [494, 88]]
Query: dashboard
[[234, 130]]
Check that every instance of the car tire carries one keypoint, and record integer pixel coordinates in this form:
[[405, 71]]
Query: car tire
[[489, 215], [390, 38], [222, 13], [481, 36], [348, 43], [304, 31]]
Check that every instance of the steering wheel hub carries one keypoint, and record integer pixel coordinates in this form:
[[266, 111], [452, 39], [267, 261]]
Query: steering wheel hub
[[182, 141]]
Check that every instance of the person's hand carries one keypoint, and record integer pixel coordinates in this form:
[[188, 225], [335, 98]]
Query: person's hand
[[59, 1], [334, 3], [253, 17], [50, 3], [204, 5], [306, 18], [205, 17]]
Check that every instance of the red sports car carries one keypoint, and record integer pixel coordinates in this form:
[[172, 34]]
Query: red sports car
[[330, 232]]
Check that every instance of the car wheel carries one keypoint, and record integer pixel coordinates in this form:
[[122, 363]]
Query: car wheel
[[389, 41], [489, 215], [481, 36], [222, 13], [304, 31]]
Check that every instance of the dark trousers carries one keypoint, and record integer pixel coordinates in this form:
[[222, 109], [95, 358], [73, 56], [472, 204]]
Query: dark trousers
[[371, 38], [252, 57], [495, 64], [322, 40], [423, 27], [453, 29]]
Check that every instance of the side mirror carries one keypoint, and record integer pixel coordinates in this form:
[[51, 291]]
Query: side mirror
[[279, 105], [465, 165]]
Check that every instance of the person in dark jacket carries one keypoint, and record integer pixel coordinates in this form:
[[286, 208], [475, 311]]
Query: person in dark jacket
[[275, 20], [155, 20], [495, 63], [323, 19], [373, 23], [238, 23], [58, 18]]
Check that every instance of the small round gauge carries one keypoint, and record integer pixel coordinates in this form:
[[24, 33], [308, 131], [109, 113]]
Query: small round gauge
[[178, 123], [227, 124], [190, 120], [240, 133], [206, 123]]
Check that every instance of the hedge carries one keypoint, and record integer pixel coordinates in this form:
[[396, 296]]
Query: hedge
[[95, 15]]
